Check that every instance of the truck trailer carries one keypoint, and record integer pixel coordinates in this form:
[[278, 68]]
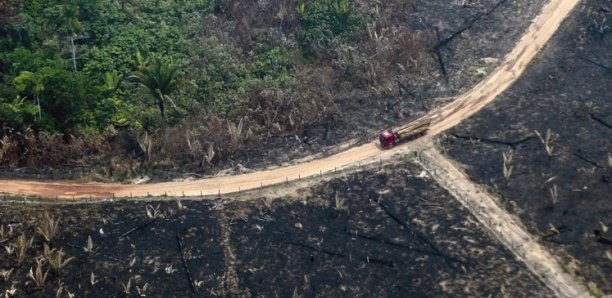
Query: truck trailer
[[410, 131]]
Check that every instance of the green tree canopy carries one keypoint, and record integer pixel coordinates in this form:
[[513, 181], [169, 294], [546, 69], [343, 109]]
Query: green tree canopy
[[33, 83], [159, 77]]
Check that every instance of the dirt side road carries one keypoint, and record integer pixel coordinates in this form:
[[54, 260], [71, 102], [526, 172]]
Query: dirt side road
[[512, 67], [462, 107], [505, 227]]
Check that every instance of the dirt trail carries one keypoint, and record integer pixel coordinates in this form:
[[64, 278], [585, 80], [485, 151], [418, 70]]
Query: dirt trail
[[505, 227], [462, 107], [230, 283]]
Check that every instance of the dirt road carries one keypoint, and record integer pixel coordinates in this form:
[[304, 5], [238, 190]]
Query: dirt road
[[463, 106], [505, 227]]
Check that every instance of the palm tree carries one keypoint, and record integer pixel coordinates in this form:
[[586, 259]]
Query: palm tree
[[160, 78]]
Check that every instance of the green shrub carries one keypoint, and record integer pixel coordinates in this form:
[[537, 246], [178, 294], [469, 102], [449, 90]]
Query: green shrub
[[271, 62], [19, 114], [324, 20]]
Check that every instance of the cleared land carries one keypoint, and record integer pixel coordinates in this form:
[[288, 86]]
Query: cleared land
[[559, 186], [506, 228], [381, 232]]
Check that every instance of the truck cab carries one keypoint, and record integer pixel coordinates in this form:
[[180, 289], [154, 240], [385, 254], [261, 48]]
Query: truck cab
[[386, 138]]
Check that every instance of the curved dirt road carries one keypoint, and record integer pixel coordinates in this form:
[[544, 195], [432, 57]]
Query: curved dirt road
[[463, 106]]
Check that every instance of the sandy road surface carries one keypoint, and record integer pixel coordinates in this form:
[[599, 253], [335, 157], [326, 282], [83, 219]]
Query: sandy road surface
[[506, 228], [462, 107]]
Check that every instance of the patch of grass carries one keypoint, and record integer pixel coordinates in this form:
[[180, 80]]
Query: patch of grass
[[323, 21], [38, 276], [48, 227], [56, 258]]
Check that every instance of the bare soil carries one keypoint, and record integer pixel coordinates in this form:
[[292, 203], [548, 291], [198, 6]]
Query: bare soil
[[567, 91], [389, 232]]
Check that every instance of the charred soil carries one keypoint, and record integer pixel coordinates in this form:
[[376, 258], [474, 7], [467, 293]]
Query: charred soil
[[379, 232], [559, 182], [134, 249]]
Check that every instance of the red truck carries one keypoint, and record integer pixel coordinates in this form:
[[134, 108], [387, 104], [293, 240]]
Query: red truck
[[407, 132]]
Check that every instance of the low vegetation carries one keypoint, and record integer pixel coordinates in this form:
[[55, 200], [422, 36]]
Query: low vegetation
[[31, 256], [131, 85]]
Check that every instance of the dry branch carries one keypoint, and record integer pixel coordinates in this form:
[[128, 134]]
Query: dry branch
[[138, 228], [189, 278], [547, 141], [512, 144], [468, 24], [420, 236], [507, 164]]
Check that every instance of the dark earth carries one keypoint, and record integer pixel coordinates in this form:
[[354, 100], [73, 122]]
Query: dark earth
[[384, 232], [127, 244], [390, 232], [567, 91]]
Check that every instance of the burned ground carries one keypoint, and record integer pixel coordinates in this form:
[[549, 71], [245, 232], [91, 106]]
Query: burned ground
[[127, 245], [388, 232], [562, 195], [384, 233]]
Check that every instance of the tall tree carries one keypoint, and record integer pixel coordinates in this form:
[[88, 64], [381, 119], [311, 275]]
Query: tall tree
[[71, 26], [160, 78], [31, 82]]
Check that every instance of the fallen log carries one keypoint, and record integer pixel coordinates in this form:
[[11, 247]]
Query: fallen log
[[595, 63], [604, 240], [99, 252], [601, 121], [580, 156], [393, 243], [438, 54], [328, 252]]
